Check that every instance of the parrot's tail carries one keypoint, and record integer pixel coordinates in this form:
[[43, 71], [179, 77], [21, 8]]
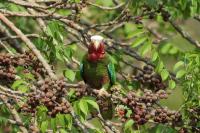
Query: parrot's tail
[[106, 108]]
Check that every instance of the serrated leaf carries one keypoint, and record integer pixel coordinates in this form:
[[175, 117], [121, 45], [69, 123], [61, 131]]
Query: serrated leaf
[[44, 126], [178, 65], [70, 74], [138, 41], [164, 74], [172, 84]]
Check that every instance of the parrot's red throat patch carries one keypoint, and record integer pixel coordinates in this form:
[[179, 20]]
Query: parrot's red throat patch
[[96, 54]]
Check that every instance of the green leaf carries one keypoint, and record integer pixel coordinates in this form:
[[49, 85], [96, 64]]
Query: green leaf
[[58, 55], [178, 65], [42, 113], [154, 56], [29, 76], [159, 66], [180, 73], [62, 131], [160, 128], [128, 126], [164, 74], [83, 106], [76, 107], [93, 104], [152, 3], [61, 119], [53, 124], [17, 83], [138, 41], [44, 126], [23, 88], [145, 48], [137, 32], [165, 48], [70, 74], [68, 118], [172, 84], [113, 59]]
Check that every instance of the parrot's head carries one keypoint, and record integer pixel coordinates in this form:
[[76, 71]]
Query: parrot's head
[[96, 49]]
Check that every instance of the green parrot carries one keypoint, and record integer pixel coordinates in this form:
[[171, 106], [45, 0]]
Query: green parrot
[[98, 72]]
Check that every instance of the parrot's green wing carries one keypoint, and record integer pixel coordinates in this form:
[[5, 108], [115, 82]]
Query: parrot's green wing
[[111, 72], [81, 71]]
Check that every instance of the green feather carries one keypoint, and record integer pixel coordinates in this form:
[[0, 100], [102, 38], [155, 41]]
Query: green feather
[[111, 71], [93, 72]]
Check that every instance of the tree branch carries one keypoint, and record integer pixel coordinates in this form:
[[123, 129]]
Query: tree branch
[[29, 44], [184, 34]]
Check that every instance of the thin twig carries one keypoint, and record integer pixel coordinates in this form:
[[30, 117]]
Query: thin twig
[[106, 8]]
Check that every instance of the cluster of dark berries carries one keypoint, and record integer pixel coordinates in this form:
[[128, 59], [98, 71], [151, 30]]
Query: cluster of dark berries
[[140, 113], [144, 106], [115, 90], [29, 60], [162, 115], [194, 117], [49, 93], [14, 60], [7, 70], [7, 74], [150, 79], [5, 59], [104, 103], [165, 15], [149, 98], [80, 92], [162, 94]]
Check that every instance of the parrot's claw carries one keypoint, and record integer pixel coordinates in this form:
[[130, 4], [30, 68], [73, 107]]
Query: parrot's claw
[[103, 92]]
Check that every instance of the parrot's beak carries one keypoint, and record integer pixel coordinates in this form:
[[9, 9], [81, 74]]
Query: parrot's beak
[[96, 44]]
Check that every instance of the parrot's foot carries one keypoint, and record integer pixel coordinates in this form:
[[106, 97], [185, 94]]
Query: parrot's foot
[[103, 92]]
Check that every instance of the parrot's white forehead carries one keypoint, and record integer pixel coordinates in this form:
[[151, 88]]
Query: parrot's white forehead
[[97, 38]]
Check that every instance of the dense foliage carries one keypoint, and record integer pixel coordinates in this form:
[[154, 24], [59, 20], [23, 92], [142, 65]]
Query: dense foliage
[[153, 44]]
